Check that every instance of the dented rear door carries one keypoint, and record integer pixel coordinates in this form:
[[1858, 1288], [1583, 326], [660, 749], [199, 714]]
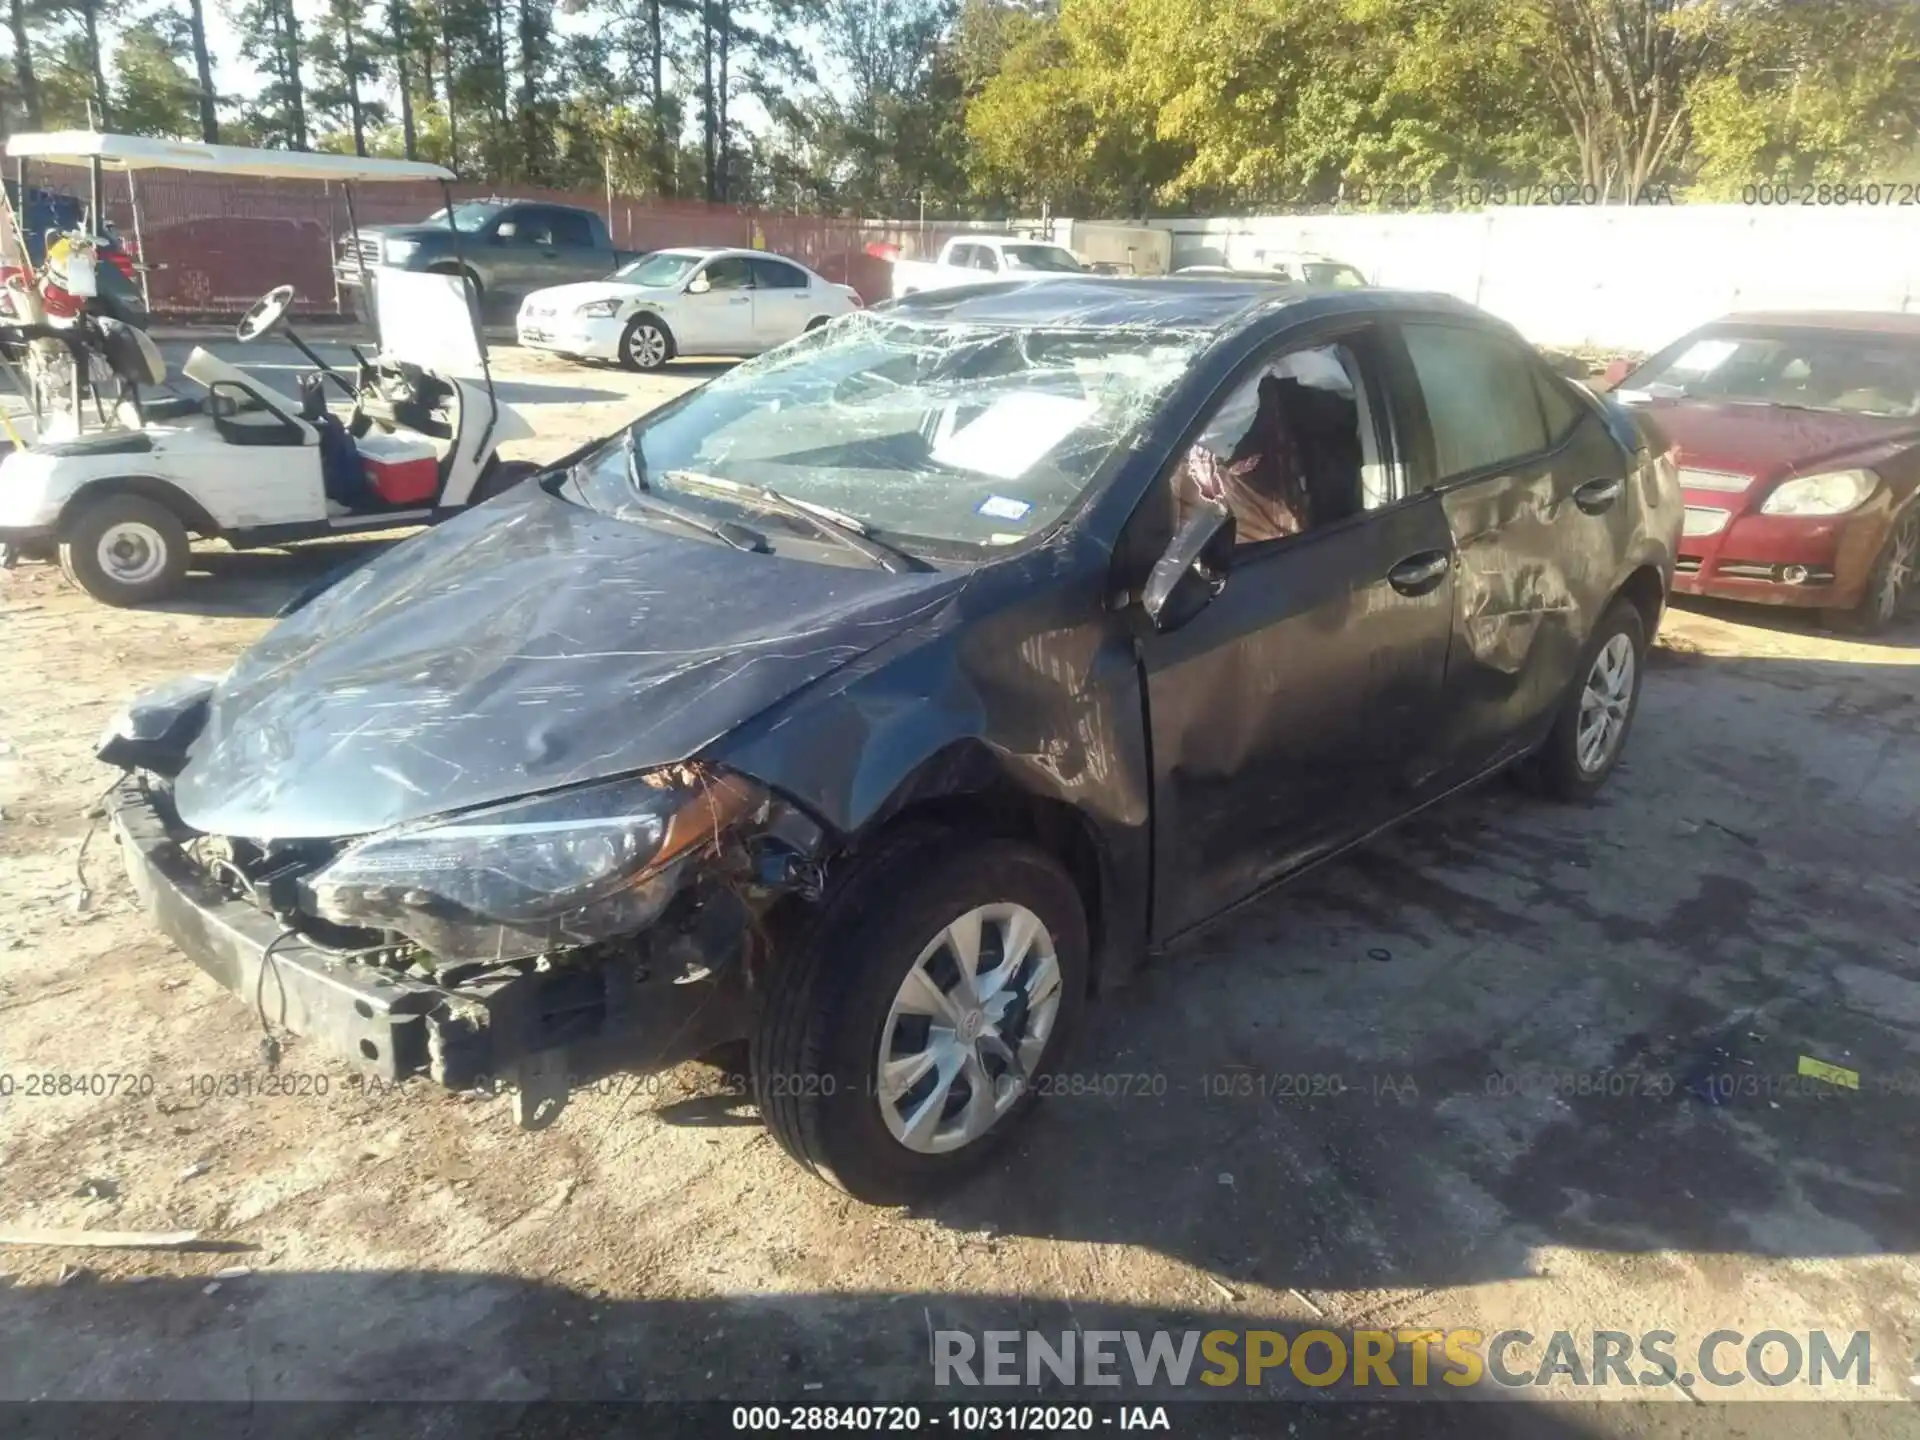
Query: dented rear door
[[1535, 495]]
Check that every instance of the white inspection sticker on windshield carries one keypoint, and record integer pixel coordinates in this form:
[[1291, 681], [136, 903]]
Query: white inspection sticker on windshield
[[1004, 507], [1013, 433]]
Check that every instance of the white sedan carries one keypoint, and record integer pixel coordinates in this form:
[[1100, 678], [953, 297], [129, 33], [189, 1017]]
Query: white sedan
[[683, 302]]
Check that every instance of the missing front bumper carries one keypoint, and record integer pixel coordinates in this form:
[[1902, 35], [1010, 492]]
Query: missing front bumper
[[504, 1024]]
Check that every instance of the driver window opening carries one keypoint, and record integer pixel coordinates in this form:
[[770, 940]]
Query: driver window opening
[[1292, 447]]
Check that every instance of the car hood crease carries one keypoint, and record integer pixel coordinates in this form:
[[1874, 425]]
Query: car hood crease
[[526, 646]]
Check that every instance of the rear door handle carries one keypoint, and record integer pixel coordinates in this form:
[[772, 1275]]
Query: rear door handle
[[1417, 574], [1597, 495]]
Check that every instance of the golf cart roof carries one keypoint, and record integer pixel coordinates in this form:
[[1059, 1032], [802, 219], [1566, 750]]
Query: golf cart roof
[[139, 152]]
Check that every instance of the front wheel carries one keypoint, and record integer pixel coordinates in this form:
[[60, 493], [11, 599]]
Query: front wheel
[[903, 1039], [645, 344], [1591, 729], [125, 550]]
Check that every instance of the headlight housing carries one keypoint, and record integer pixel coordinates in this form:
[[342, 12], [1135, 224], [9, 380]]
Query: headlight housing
[[1834, 493], [393, 252], [546, 873], [598, 309]]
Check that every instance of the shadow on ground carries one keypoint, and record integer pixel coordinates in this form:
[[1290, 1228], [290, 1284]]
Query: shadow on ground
[[259, 583], [1513, 1024], [284, 1336], [1903, 633], [533, 392]]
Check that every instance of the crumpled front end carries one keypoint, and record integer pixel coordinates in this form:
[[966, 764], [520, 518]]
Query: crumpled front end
[[507, 942]]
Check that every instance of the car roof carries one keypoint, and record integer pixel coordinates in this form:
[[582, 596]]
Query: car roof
[[1869, 322], [1175, 302], [715, 252]]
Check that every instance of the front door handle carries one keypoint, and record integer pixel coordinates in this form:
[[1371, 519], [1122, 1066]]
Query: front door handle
[[1417, 574], [1597, 495]]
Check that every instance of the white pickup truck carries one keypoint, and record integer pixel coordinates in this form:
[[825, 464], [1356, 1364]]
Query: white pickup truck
[[971, 259]]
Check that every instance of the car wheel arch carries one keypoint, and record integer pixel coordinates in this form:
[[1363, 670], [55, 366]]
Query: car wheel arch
[[149, 487], [968, 795], [1648, 592], [641, 317]]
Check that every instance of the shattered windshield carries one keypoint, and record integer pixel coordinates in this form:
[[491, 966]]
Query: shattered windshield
[[1857, 374], [663, 267], [947, 435]]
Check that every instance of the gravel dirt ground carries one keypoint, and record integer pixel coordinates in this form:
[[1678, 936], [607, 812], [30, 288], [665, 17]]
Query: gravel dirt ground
[[1459, 1079]]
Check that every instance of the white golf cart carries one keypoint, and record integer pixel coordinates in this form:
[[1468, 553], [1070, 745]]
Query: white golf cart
[[116, 491]]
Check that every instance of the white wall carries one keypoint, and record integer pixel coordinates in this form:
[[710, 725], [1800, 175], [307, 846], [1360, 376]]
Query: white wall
[[1610, 276]]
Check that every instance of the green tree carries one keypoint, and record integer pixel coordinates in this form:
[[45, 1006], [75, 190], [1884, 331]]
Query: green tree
[[26, 82], [272, 41], [154, 94], [1811, 93], [344, 60]]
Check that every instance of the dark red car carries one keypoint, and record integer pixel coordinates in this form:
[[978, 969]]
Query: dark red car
[[1798, 440]]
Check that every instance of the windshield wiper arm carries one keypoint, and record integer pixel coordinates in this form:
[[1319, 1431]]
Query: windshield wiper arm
[[731, 532], [823, 519]]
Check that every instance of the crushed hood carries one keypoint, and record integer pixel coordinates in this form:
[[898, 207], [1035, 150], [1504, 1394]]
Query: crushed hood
[[526, 645], [1771, 440]]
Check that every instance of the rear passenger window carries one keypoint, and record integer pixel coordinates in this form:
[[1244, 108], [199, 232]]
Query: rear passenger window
[[570, 228], [775, 275], [1481, 397]]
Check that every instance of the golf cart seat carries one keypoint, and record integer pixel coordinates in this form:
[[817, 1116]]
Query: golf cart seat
[[209, 369]]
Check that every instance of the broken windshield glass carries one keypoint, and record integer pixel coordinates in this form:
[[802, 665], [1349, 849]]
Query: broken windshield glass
[[968, 435]]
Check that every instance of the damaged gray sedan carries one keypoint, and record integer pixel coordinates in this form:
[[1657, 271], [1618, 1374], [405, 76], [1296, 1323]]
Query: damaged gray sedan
[[882, 700]]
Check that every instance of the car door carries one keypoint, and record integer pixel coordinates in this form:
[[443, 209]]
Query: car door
[[1534, 489], [1294, 712], [716, 319], [782, 301]]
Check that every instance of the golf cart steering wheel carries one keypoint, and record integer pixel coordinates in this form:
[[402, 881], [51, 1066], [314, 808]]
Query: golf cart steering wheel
[[264, 314]]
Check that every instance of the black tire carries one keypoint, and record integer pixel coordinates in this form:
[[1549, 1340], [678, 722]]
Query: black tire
[[816, 1042], [635, 354], [499, 477], [1892, 584], [152, 539], [816, 322], [1555, 769]]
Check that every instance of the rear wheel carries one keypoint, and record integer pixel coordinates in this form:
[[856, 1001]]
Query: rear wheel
[[1892, 583], [125, 550], [902, 1040], [1591, 729], [646, 344]]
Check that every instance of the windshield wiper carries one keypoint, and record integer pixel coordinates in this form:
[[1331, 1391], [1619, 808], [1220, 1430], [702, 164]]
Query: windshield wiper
[[822, 519], [731, 532]]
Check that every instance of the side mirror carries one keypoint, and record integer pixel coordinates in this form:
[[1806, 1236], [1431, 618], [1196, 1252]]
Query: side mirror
[[1193, 570], [505, 230], [1617, 370], [222, 403], [699, 285]]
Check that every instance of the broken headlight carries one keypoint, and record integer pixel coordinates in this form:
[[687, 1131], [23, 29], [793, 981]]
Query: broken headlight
[[546, 873]]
